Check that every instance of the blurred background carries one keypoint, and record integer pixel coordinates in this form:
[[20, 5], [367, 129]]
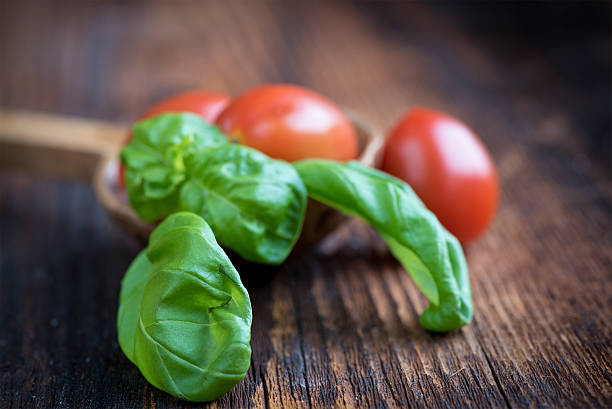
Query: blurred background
[[532, 79], [507, 69]]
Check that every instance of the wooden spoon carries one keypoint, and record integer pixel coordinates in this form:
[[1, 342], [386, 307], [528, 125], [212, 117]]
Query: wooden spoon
[[87, 150]]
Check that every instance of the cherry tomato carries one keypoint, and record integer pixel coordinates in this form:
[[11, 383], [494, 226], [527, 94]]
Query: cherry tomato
[[291, 123], [206, 104], [448, 167]]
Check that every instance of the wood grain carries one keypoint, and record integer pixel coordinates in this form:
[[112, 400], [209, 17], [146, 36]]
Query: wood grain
[[336, 327]]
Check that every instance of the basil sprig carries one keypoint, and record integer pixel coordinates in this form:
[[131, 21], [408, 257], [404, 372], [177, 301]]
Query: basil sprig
[[254, 204], [432, 256], [184, 316]]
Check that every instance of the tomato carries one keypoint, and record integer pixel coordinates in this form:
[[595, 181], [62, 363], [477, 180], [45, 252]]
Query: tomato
[[291, 123], [448, 167], [206, 104]]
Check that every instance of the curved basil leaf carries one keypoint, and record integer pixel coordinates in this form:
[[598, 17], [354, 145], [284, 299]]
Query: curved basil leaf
[[184, 316], [255, 205], [433, 257], [155, 160]]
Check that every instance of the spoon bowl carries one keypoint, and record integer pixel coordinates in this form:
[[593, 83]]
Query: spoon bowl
[[320, 220]]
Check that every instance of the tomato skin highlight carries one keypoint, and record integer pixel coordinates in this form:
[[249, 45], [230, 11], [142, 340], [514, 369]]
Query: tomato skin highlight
[[448, 167], [291, 123], [204, 103]]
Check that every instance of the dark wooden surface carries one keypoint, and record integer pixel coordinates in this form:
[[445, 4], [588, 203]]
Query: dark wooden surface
[[337, 326]]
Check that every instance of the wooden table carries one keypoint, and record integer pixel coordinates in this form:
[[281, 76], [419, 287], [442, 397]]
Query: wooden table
[[337, 326]]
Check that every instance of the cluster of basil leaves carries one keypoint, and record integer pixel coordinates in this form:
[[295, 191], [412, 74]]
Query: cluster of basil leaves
[[184, 315]]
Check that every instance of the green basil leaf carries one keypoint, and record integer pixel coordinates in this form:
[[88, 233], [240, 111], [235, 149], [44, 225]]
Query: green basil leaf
[[431, 255], [254, 204], [155, 160], [184, 316]]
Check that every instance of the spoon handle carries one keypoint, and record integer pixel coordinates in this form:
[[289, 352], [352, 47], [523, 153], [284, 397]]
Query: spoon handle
[[56, 146]]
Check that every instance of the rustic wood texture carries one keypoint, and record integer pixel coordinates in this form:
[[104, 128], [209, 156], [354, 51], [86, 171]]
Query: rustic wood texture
[[337, 327]]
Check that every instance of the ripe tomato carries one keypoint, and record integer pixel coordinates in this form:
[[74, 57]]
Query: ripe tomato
[[206, 104], [291, 123], [448, 167]]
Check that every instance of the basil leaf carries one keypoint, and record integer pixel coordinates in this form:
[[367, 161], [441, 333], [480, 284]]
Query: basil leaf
[[184, 316], [155, 160], [255, 205], [433, 257]]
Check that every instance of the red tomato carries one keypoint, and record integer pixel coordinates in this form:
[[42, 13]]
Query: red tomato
[[291, 123], [448, 167], [206, 104]]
